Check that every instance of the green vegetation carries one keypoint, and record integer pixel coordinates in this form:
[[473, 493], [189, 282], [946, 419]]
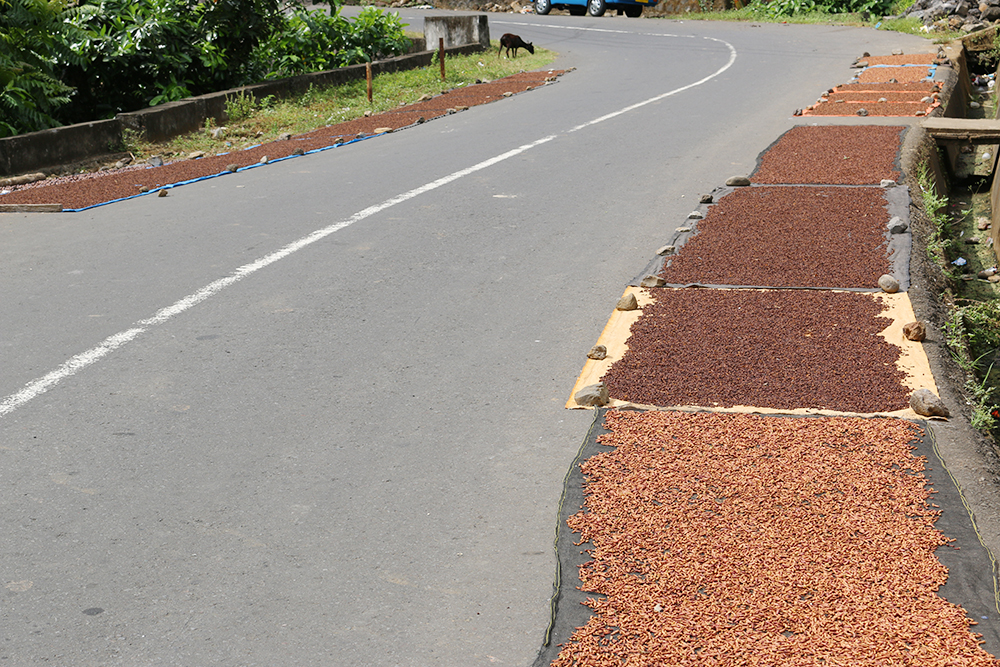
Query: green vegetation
[[868, 13], [972, 327], [33, 43], [253, 121], [64, 62]]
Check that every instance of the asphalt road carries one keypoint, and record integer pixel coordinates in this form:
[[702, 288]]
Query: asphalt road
[[352, 454]]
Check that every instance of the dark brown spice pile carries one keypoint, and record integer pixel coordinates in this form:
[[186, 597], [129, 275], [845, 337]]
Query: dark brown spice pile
[[108, 186], [782, 349], [747, 540], [832, 155], [788, 237]]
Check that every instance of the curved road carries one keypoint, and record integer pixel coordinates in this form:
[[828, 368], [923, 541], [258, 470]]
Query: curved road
[[351, 452]]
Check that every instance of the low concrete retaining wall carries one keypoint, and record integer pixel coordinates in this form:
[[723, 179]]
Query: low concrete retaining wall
[[73, 143], [455, 30]]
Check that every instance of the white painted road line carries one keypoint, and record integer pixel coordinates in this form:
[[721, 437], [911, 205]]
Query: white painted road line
[[77, 363]]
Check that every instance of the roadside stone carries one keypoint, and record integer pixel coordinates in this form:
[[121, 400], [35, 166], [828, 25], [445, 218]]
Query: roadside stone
[[862, 112], [916, 331], [888, 284], [143, 188], [263, 160], [450, 111], [195, 155], [666, 250], [508, 94], [161, 193], [695, 215], [592, 395], [924, 402], [897, 52], [425, 97], [298, 151], [738, 181], [382, 130], [124, 162], [598, 352], [284, 136], [232, 167], [897, 226], [705, 199], [652, 281], [627, 302], [887, 183]]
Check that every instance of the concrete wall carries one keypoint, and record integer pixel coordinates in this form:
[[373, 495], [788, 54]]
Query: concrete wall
[[63, 145], [35, 150], [457, 30]]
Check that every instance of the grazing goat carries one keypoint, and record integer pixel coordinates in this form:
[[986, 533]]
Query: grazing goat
[[510, 41]]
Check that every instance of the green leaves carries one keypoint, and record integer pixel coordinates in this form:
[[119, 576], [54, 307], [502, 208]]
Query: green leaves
[[312, 41], [33, 40], [110, 56], [778, 8]]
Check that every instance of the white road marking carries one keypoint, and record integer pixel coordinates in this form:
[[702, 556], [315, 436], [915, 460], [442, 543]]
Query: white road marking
[[77, 363]]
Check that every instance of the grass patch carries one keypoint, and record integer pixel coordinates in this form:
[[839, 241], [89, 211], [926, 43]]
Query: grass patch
[[259, 121]]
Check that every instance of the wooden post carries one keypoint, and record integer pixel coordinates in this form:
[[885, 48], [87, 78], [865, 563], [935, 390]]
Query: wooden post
[[368, 75], [441, 55]]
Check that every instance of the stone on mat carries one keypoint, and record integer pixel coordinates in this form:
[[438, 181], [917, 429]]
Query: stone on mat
[[925, 402], [916, 331], [594, 394], [627, 302]]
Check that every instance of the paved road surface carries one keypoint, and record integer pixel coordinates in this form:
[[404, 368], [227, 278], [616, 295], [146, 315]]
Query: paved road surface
[[353, 454]]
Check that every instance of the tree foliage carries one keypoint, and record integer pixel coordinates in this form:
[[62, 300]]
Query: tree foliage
[[313, 41], [66, 61], [146, 52], [32, 43]]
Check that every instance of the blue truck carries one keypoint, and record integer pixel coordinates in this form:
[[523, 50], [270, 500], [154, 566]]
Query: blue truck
[[631, 8]]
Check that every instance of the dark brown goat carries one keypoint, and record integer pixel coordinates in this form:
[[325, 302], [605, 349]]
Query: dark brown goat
[[510, 41]]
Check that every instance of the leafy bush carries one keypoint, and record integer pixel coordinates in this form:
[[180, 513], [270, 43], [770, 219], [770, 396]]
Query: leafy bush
[[374, 35], [32, 41], [312, 41], [110, 56], [145, 52]]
